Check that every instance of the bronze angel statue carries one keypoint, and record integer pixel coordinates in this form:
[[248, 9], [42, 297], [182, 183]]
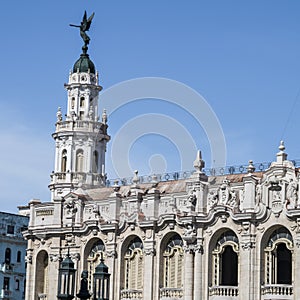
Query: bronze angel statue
[[85, 26]]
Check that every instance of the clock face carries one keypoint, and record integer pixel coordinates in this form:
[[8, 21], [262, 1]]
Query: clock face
[[97, 248]]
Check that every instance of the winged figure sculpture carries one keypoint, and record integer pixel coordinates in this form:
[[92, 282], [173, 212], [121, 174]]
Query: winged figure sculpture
[[85, 26]]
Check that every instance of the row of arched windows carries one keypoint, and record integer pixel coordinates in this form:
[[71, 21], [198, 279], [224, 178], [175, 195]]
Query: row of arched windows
[[79, 161], [7, 257], [276, 261]]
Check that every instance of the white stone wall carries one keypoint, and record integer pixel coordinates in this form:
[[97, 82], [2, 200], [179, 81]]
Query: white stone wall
[[199, 209]]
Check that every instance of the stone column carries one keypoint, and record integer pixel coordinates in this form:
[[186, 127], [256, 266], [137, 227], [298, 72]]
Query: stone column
[[110, 261], [247, 264], [148, 273], [29, 293], [296, 266], [198, 293], [189, 272]]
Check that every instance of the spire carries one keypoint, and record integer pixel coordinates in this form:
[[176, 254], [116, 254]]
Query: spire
[[199, 162]]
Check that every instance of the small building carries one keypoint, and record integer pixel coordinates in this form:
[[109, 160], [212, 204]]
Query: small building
[[12, 256]]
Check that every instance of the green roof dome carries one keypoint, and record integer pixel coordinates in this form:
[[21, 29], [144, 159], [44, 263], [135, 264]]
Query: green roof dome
[[84, 64]]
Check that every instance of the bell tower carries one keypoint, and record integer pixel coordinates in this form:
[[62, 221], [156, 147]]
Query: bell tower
[[80, 137]]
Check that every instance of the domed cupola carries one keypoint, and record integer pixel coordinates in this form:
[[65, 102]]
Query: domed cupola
[[84, 64]]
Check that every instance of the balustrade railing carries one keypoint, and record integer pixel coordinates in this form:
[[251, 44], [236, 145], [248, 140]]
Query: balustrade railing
[[78, 125], [227, 170], [170, 293], [224, 291], [131, 294], [277, 289]]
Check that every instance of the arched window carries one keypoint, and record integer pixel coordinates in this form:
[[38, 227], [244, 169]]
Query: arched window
[[79, 161], [82, 101], [225, 260], [73, 102], [278, 257], [64, 161], [8, 256], [17, 284], [133, 265], [95, 162], [19, 254], [173, 263], [93, 260], [41, 274]]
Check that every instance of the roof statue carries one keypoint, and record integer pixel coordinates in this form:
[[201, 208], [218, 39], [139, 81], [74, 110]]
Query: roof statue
[[85, 26]]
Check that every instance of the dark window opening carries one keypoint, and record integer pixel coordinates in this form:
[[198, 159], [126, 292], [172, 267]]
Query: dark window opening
[[17, 284], [7, 256], [6, 283], [10, 229], [229, 267], [19, 254], [284, 265]]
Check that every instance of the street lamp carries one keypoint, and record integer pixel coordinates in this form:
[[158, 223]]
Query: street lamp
[[66, 279], [101, 282]]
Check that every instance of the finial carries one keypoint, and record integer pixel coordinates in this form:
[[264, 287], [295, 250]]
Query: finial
[[135, 178], [250, 167], [116, 186], [281, 146], [104, 116], [281, 155], [199, 162], [154, 180]]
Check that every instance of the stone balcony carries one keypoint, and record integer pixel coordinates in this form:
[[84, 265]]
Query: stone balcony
[[82, 126], [277, 291], [5, 294], [131, 294], [223, 292], [76, 177], [170, 294], [6, 268]]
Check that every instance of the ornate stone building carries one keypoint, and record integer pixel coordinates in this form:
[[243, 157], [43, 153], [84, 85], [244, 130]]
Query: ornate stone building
[[234, 236], [12, 256]]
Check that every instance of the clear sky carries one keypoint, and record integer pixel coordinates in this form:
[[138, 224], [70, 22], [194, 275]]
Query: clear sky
[[243, 57]]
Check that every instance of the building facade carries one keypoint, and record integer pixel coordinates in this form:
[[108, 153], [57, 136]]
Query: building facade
[[13, 252], [234, 236]]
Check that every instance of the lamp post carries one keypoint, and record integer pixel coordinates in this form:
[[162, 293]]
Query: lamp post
[[66, 279], [101, 282]]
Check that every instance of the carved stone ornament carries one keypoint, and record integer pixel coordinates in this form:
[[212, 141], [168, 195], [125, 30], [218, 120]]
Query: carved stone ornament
[[291, 194], [247, 245], [28, 259], [75, 256], [70, 208], [150, 251], [54, 257], [111, 253], [189, 234], [276, 204]]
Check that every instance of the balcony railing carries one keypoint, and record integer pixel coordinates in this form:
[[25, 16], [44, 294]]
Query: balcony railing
[[230, 291], [170, 293], [277, 289], [131, 294], [6, 268], [5, 294]]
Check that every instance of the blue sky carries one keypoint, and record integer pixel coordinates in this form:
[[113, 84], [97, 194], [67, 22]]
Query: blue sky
[[242, 57]]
